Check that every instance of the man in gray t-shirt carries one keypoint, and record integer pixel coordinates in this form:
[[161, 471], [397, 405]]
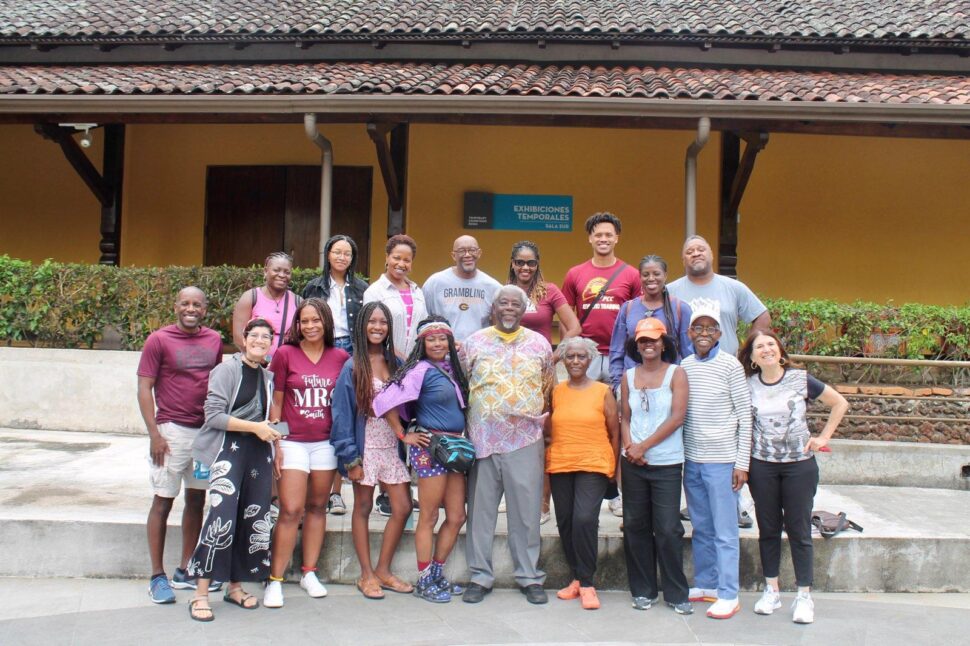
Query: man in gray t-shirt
[[733, 298], [462, 293]]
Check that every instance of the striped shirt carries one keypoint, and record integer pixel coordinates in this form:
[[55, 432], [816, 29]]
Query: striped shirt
[[717, 427]]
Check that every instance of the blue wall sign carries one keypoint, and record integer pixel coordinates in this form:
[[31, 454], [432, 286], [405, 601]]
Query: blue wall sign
[[519, 212]]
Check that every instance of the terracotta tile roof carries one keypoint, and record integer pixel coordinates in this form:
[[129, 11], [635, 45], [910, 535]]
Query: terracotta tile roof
[[946, 19], [487, 79]]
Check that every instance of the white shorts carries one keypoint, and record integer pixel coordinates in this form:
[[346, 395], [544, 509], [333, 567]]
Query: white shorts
[[167, 479], [308, 456]]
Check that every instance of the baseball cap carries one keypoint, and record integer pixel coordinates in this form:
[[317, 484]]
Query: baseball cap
[[705, 307], [650, 328]]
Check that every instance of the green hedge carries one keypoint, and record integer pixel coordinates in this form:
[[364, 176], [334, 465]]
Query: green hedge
[[71, 305]]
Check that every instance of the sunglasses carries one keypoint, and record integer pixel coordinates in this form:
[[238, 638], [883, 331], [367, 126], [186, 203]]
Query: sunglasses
[[531, 264]]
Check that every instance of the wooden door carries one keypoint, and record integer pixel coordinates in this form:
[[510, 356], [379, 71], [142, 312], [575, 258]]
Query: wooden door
[[272, 208], [243, 219]]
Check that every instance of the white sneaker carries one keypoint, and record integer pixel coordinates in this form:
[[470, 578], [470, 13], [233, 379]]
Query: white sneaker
[[769, 602], [702, 594], [273, 595], [724, 608], [616, 506], [803, 609], [312, 585]]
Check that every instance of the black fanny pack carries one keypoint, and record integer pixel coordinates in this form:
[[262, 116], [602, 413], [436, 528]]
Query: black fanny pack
[[453, 452]]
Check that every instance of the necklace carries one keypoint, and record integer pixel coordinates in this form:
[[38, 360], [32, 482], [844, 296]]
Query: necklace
[[276, 301]]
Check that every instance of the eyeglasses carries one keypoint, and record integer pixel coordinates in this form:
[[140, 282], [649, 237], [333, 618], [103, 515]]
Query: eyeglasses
[[531, 264], [709, 330], [466, 251], [644, 400], [261, 337], [342, 254]]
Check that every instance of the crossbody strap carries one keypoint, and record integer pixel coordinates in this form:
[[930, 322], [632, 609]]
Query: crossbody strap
[[601, 293]]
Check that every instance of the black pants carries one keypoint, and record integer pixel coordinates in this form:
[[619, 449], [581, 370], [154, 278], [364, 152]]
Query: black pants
[[235, 539], [783, 494], [577, 497], [652, 531]]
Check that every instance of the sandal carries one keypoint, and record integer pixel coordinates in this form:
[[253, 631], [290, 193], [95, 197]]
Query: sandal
[[395, 584], [194, 611], [370, 589], [241, 600]]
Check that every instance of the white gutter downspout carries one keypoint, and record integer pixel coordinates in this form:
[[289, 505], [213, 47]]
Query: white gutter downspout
[[690, 176], [326, 178]]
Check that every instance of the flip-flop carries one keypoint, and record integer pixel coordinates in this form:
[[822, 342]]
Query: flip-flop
[[192, 610], [242, 600], [369, 589], [395, 584]]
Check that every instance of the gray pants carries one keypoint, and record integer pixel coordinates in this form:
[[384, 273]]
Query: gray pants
[[519, 475]]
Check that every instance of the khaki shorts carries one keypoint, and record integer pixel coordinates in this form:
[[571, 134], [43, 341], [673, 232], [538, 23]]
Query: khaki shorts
[[167, 479]]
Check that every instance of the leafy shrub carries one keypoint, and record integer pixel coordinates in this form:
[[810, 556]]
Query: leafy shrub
[[73, 305]]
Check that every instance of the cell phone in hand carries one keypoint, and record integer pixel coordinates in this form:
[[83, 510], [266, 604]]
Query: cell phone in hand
[[280, 427]]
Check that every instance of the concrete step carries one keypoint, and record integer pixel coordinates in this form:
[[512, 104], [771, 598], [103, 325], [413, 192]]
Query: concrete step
[[74, 505]]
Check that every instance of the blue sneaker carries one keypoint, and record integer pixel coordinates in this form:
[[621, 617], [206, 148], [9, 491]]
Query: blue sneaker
[[437, 572], [181, 581], [427, 588], [160, 591]]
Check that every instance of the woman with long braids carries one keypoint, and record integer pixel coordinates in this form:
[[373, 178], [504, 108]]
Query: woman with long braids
[[272, 301], [431, 389], [656, 303], [545, 299], [367, 448], [305, 371], [237, 443]]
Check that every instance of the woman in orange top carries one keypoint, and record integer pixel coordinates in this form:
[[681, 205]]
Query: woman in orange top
[[584, 441]]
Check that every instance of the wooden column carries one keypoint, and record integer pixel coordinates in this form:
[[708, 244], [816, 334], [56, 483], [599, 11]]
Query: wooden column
[[113, 173], [106, 185], [736, 170], [392, 158]]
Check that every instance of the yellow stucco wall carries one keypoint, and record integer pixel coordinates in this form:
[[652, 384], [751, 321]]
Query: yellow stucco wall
[[46, 211], [858, 217], [638, 175], [835, 217]]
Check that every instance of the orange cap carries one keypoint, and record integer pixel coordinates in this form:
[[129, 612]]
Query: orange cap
[[650, 328]]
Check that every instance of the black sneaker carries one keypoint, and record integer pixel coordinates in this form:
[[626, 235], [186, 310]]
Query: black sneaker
[[336, 505], [383, 504]]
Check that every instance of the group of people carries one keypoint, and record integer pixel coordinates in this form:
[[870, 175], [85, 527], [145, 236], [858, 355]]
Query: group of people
[[655, 393]]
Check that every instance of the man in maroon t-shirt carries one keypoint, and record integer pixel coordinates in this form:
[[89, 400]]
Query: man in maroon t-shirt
[[173, 376], [598, 287]]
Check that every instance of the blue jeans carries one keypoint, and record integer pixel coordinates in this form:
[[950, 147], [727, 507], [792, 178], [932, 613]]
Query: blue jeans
[[713, 509], [344, 343]]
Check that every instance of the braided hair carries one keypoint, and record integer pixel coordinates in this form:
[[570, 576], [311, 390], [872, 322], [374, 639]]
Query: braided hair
[[536, 288], [665, 296], [418, 354], [278, 255], [363, 372]]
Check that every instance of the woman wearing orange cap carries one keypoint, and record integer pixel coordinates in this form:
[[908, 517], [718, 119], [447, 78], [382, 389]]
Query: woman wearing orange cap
[[653, 400]]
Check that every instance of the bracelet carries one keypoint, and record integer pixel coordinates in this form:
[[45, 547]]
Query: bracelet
[[356, 462]]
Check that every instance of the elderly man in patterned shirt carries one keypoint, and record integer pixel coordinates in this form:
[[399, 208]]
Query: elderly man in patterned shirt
[[510, 373]]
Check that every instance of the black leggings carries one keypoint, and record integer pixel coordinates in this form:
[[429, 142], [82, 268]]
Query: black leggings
[[783, 494], [577, 497]]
